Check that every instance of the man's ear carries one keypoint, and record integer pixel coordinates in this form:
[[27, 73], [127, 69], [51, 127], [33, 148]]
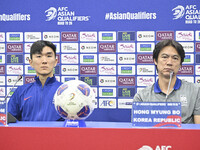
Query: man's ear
[[155, 62], [180, 65], [56, 62], [31, 62]]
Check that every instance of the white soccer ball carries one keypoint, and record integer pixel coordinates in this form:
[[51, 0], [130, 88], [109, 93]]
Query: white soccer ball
[[74, 100]]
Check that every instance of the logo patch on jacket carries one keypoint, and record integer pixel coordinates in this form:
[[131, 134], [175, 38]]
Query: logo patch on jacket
[[27, 98]]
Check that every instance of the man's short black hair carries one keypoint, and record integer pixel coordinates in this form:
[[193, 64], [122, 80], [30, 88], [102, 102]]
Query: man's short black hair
[[37, 47], [159, 46]]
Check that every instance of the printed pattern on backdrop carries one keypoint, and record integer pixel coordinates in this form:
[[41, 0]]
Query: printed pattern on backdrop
[[111, 49]]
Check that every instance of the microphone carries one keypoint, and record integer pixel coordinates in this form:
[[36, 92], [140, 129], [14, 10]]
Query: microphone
[[170, 79], [18, 79], [11, 118]]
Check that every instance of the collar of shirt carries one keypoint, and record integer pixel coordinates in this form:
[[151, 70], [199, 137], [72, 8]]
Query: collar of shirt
[[48, 81], [176, 86]]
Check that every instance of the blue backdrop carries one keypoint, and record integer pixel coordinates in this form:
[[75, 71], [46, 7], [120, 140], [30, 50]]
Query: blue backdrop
[[115, 38]]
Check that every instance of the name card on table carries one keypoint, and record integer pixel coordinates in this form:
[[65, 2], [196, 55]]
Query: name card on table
[[156, 114]]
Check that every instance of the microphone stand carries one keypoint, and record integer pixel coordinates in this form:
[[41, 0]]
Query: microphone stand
[[170, 80], [5, 100]]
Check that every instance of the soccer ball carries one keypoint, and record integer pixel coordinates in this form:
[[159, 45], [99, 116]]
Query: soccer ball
[[74, 100]]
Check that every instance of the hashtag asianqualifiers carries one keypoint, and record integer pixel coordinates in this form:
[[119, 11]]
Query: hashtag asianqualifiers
[[130, 16], [15, 17]]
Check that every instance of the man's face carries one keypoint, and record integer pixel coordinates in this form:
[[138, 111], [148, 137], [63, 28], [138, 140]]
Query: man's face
[[168, 60], [44, 63]]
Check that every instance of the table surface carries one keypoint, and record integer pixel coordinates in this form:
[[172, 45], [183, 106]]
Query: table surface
[[97, 135], [91, 124]]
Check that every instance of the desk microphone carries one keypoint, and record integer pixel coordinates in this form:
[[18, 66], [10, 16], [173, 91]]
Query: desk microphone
[[170, 79], [18, 78], [11, 118]]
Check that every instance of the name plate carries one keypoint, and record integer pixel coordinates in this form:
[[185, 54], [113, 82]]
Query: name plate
[[156, 114]]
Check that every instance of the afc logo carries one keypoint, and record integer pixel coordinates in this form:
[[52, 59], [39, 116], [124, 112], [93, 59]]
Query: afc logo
[[107, 103], [158, 147]]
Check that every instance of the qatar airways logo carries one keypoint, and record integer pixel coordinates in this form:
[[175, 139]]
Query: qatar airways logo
[[14, 47], [29, 79], [145, 59], [88, 36], [69, 58], [69, 36], [186, 70], [185, 35], [107, 69], [197, 45], [164, 35], [107, 47], [126, 81], [145, 81], [88, 69], [14, 69]]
